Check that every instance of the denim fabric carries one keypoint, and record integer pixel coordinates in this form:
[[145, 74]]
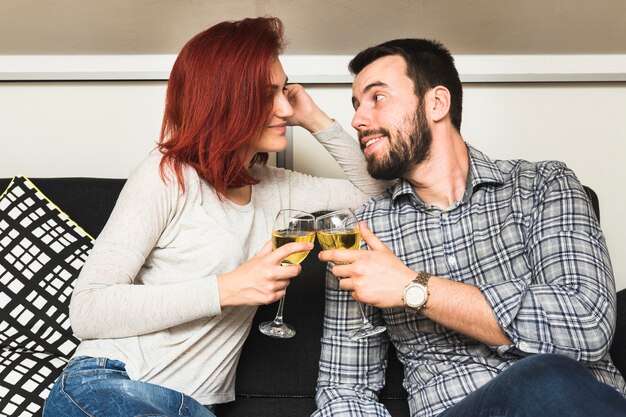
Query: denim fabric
[[100, 387], [542, 386]]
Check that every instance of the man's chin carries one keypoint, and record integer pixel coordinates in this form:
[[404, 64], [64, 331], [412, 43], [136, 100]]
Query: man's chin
[[380, 173]]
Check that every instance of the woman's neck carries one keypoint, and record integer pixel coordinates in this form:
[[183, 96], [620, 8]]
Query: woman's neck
[[240, 196]]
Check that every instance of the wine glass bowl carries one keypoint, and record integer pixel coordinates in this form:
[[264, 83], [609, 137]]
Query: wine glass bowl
[[284, 236], [341, 237], [340, 230], [289, 226]]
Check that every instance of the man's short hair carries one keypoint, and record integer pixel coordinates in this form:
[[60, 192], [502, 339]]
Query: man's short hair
[[429, 64]]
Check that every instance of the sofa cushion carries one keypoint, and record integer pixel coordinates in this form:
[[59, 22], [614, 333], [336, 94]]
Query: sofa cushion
[[41, 253]]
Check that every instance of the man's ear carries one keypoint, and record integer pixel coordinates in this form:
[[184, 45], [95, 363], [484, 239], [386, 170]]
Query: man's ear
[[438, 103]]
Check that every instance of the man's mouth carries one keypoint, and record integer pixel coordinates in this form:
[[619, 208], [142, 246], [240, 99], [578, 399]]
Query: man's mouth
[[373, 140], [370, 138]]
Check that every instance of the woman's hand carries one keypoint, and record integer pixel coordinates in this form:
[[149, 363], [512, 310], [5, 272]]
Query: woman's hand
[[305, 112], [262, 279]]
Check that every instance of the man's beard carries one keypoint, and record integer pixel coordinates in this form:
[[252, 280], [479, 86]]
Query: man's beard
[[406, 149]]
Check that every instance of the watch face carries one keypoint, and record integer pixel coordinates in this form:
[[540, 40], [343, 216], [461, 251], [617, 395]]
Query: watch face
[[415, 296]]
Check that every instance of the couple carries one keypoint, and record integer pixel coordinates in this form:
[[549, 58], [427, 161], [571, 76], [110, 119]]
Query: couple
[[493, 277]]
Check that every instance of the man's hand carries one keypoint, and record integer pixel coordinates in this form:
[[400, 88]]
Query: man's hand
[[376, 276], [305, 112]]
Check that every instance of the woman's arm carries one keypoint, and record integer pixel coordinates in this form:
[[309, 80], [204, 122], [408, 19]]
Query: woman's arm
[[111, 300], [107, 301], [341, 146]]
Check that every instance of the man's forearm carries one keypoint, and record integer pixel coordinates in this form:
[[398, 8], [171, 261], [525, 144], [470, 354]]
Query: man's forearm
[[463, 308]]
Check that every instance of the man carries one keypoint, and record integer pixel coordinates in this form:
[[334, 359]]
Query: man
[[492, 277]]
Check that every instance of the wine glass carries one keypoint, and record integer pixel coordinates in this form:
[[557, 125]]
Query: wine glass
[[340, 230], [289, 226]]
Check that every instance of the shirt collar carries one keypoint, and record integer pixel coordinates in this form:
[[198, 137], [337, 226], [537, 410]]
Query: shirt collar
[[482, 171]]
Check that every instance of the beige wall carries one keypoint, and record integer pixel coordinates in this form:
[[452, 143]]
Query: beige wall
[[102, 129], [316, 27]]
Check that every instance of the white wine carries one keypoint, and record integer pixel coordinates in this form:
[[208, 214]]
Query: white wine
[[340, 239], [340, 230], [282, 237]]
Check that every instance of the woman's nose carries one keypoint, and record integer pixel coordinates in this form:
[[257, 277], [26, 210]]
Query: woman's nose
[[282, 107]]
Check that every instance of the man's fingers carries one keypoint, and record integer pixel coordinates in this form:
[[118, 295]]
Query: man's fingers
[[346, 284], [370, 238], [345, 256]]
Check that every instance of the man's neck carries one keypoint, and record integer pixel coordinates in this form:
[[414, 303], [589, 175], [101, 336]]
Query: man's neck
[[441, 180]]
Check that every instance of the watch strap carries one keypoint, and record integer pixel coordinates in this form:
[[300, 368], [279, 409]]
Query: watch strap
[[422, 278]]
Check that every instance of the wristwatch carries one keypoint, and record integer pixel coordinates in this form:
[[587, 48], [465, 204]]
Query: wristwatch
[[416, 292]]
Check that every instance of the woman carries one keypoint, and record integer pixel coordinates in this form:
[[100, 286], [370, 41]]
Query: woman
[[168, 294]]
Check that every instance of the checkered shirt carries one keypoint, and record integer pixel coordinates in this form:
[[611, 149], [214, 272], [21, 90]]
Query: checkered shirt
[[526, 235]]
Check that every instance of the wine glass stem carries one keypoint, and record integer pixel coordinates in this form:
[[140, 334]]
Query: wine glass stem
[[363, 316], [279, 314]]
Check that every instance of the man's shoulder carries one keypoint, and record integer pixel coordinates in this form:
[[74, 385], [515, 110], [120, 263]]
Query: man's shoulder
[[526, 178], [378, 203], [518, 168], [512, 168]]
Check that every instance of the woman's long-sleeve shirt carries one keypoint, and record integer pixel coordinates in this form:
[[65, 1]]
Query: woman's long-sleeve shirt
[[148, 293]]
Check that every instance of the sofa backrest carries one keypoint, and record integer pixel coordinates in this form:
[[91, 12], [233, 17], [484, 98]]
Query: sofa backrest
[[87, 201]]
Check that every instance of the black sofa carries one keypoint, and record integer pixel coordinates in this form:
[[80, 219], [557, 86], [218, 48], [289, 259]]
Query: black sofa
[[274, 377]]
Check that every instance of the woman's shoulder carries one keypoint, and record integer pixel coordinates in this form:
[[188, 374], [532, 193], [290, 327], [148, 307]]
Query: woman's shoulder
[[154, 169], [270, 177], [268, 172], [150, 164]]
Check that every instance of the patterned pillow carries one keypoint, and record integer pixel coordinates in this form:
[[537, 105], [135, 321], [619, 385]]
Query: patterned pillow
[[27, 379], [41, 254]]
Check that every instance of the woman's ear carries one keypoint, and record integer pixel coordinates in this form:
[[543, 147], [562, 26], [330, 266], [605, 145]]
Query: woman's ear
[[439, 103]]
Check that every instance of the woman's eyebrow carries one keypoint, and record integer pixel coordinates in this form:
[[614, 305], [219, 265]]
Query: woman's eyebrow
[[276, 86]]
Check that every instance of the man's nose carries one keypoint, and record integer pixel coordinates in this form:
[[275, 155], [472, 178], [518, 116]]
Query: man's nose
[[361, 118]]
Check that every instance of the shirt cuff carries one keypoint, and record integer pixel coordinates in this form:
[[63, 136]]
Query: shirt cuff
[[329, 133], [208, 296]]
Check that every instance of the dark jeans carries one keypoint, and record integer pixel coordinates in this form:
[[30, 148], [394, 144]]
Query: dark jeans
[[100, 387], [542, 386]]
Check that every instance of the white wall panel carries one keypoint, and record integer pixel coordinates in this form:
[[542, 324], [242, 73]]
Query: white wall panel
[[92, 129]]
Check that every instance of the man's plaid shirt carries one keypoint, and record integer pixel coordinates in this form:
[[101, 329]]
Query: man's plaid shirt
[[526, 235]]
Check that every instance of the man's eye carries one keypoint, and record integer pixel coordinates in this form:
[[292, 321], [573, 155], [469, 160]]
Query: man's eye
[[378, 97]]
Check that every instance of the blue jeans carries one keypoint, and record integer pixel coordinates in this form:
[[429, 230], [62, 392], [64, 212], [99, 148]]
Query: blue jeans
[[100, 387], [542, 386]]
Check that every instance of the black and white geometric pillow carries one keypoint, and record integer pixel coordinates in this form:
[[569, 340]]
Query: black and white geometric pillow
[[41, 253], [27, 378]]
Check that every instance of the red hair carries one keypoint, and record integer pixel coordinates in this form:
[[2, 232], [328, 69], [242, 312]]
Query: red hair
[[219, 100]]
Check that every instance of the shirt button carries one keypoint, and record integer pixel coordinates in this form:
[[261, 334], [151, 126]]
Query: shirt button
[[452, 260], [444, 214], [523, 346]]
